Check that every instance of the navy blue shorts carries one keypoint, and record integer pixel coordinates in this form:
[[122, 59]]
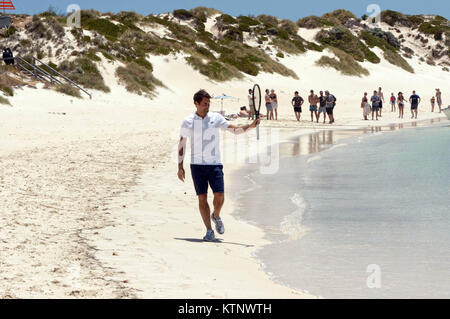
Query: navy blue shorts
[[204, 175]]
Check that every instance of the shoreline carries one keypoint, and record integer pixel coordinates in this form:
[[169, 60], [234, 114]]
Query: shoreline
[[340, 134], [271, 255]]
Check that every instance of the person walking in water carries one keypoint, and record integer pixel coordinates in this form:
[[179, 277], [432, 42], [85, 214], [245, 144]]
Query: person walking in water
[[269, 106], [401, 105], [274, 99], [393, 102], [202, 128], [297, 103], [439, 99], [415, 101], [313, 100], [375, 99], [365, 106]]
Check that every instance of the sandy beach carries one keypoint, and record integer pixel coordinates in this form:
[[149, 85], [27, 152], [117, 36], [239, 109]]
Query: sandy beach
[[91, 206]]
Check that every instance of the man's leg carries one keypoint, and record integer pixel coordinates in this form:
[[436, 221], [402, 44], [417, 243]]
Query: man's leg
[[219, 200], [205, 211]]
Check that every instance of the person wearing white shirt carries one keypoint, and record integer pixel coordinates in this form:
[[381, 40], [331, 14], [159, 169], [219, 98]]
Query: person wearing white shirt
[[202, 128]]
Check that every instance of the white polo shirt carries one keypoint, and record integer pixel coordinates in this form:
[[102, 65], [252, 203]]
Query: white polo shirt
[[204, 137]]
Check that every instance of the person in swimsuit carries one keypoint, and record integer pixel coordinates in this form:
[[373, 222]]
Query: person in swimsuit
[[433, 101], [269, 106], [401, 105], [297, 103], [439, 99], [313, 100], [251, 105], [365, 106], [323, 107], [274, 99], [393, 102]]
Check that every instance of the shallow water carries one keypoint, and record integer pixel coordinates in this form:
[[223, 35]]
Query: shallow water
[[363, 217]]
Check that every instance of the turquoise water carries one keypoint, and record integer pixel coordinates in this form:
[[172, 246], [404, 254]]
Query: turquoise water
[[380, 200]]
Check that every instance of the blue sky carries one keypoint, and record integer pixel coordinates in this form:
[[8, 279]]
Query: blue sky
[[285, 9]]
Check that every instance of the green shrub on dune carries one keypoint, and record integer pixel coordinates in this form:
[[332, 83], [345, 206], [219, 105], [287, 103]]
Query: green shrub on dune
[[138, 79], [396, 59], [85, 73], [341, 38], [437, 30], [182, 14], [344, 63], [214, 70], [68, 90], [314, 22], [390, 52], [339, 16], [4, 101]]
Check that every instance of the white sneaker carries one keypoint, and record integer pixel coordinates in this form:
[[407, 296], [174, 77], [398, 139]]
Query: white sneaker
[[219, 224], [209, 236]]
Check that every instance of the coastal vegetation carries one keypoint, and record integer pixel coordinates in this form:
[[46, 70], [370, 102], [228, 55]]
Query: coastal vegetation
[[343, 63], [232, 48]]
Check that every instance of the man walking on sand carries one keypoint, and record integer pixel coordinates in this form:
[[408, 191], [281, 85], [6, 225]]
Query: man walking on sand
[[415, 101], [313, 100], [202, 128]]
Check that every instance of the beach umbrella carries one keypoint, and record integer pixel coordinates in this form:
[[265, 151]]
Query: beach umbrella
[[223, 97]]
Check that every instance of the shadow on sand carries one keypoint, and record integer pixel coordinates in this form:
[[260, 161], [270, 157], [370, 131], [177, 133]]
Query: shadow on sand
[[217, 241]]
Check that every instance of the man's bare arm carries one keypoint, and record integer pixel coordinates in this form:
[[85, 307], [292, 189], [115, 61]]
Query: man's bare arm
[[243, 128], [181, 153]]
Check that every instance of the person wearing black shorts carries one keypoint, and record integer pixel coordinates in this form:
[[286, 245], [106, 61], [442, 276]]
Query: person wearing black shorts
[[381, 96], [297, 103], [330, 104], [415, 101], [202, 128], [323, 106]]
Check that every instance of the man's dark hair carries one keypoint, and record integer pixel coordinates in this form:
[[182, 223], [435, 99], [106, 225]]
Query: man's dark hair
[[200, 95], [296, 92]]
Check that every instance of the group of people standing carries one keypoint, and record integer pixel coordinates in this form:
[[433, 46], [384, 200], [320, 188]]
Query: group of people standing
[[375, 104], [271, 105], [324, 103]]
